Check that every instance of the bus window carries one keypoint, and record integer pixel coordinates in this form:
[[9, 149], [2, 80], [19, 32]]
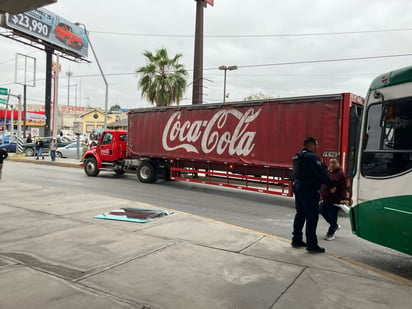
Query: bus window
[[387, 149]]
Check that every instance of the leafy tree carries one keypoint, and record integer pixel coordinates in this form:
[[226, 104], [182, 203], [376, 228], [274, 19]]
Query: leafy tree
[[258, 96], [115, 107], [162, 81]]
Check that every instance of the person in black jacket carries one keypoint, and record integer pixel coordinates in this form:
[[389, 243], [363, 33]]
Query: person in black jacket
[[3, 155], [309, 174], [39, 149]]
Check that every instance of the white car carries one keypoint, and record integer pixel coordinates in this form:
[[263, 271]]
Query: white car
[[70, 151], [82, 137]]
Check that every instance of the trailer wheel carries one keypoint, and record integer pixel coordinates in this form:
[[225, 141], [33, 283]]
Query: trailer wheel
[[90, 167], [146, 172]]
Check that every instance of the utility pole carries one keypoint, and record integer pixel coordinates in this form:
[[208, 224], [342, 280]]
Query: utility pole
[[68, 86], [197, 94], [47, 105], [56, 70], [28, 63]]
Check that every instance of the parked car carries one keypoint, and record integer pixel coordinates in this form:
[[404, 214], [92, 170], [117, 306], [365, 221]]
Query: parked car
[[30, 149], [10, 147], [65, 33], [70, 151], [82, 137]]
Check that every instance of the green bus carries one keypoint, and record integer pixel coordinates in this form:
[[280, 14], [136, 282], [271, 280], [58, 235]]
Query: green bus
[[382, 184]]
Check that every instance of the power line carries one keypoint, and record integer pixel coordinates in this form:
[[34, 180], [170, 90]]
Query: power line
[[277, 64], [284, 63], [14, 58], [9, 60], [260, 65], [321, 61], [255, 35]]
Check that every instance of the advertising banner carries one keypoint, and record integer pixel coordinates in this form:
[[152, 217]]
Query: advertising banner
[[47, 26]]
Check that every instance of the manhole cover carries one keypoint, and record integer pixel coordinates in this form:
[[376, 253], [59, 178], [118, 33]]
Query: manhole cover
[[134, 214]]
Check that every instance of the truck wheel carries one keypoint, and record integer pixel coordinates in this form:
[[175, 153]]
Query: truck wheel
[[29, 152], [146, 172], [90, 167]]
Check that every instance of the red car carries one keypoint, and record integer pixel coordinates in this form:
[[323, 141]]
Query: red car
[[65, 33]]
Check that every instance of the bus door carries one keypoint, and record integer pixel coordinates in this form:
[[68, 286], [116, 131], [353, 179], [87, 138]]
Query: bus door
[[355, 120]]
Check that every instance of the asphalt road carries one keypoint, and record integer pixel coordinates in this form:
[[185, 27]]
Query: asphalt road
[[260, 212]]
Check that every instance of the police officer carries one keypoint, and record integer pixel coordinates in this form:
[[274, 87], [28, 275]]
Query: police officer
[[309, 174], [3, 156]]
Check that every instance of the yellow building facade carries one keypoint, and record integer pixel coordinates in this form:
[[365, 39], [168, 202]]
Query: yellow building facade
[[94, 120]]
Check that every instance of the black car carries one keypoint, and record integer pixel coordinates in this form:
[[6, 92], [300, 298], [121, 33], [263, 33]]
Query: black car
[[30, 149]]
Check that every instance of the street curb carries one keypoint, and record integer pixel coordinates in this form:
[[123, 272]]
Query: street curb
[[24, 159]]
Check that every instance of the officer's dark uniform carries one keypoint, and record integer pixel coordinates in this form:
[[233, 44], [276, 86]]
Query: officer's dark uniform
[[309, 174], [3, 156]]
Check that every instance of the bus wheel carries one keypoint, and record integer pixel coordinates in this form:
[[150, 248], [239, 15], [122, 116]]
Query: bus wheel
[[146, 172], [90, 167]]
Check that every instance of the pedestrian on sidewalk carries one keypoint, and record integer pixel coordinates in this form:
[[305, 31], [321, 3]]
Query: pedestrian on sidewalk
[[3, 155], [53, 148], [309, 174], [39, 148], [327, 208]]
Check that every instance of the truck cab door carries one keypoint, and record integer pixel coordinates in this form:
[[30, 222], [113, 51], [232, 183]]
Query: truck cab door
[[105, 148]]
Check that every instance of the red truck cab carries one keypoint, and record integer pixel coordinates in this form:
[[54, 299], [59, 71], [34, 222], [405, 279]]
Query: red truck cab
[[108, 154]]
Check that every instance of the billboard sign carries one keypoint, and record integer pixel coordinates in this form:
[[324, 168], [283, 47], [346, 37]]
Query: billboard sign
[[51, 28]]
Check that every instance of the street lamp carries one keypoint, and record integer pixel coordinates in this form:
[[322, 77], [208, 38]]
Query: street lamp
[[225, 68], [106, 98]]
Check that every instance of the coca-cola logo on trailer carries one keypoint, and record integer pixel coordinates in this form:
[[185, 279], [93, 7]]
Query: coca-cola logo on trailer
[[214, 135]]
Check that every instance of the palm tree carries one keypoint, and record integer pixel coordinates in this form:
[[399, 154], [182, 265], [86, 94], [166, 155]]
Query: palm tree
[[163, 80]]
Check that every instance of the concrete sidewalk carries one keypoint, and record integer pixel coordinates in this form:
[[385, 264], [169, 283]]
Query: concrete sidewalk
[[55, 254]]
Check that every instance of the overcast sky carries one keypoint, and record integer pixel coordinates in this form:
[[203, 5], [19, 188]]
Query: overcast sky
[[268, 40]]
